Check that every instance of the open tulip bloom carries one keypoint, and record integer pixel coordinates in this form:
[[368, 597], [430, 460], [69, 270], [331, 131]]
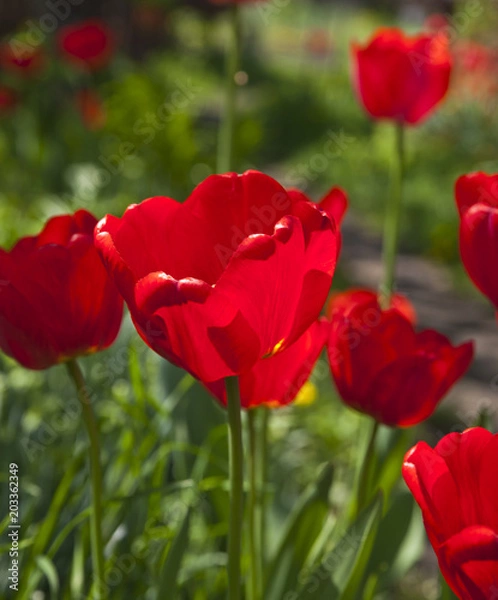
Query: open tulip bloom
[[456, 487], [235, 274], [382, 367], [56, 299]]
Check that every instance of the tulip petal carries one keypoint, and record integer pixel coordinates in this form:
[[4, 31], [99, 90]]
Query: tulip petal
[[264, 279], [276, 381], [433, 487], [364, 340], [479, 239], [476, 188], [471, 558], [194, 326], [335, 204]]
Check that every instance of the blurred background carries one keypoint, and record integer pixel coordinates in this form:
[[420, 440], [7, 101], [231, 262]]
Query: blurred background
[[141, 120]]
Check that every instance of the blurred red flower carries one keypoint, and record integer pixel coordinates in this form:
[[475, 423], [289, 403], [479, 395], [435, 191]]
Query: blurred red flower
[[8, 100], [277, 380], [477, 200], [402, 78], [476, 72], [56, 300], [236, 273], [88, 44], [91, 109], [456, 487], [382, 367], [25, 61]]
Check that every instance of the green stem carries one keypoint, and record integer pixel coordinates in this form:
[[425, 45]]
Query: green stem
[[392, 219], [227, 125], [95, 473], [236, 487], [255, 581], [263, 477], [365, 475]]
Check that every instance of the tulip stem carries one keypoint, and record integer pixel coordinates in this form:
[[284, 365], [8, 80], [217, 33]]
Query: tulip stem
[[236, 453], [365, 475], [227, 125], [263, 450], [256, 457], [95, 474], [392, 219]]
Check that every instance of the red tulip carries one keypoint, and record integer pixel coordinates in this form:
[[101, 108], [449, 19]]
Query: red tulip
[[277, 380], [402, 78], [91, 109], [56, 300], [236, 273], [477, 201], [25, 62], [89, 44], [8, 100], [382, 367], [456, 487]]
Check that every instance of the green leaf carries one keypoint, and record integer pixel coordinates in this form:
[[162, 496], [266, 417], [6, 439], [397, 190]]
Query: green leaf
[[49, 525], [77, 576], [302, 531], [168, 585], [136, 376], [340, 573], [400, 541], [47, 567]]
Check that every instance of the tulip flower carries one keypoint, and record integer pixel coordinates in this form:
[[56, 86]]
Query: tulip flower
[[236, 273], [402, 78], [477, 201], [276, 381], [382, 367], [21, 59], [56, 300], [456, 487], [88, 45]]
